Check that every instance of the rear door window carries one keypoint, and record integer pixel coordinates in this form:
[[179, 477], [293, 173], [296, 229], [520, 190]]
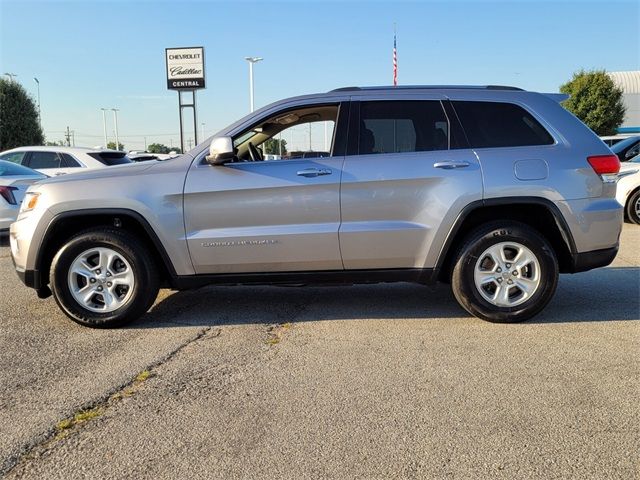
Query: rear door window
[[39, 160], [499, 124], [402, 126]]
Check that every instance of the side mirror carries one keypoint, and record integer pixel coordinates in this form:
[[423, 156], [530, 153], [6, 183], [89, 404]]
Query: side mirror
[[220, 151]]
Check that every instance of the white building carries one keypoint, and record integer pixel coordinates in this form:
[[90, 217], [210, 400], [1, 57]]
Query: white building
[[630, 84]]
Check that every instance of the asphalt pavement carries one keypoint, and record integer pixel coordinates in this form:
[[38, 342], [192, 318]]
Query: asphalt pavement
[[375, 381]]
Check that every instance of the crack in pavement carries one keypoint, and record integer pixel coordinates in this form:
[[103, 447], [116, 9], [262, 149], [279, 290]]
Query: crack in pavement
[[41, 442]]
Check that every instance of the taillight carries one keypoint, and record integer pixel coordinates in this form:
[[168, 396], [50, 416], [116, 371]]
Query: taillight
[[604, 164], [7, 194]]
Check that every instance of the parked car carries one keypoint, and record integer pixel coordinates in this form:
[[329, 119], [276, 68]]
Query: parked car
[[613, 139], [627, 148], [54, 161], [142, 156], [495, 190], [628, 193], [14, 181]]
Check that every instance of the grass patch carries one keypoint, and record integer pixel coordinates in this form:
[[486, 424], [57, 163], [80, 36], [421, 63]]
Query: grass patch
[[80, 417], [142, 376]]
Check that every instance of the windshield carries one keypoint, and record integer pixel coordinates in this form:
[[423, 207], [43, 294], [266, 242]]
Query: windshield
[[621, 145], [8, 169]]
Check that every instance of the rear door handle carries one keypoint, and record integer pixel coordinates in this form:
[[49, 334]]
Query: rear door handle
[[313, 172], [451, 165]]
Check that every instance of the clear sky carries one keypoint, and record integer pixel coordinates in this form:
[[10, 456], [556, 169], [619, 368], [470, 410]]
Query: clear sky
[[92, 54]]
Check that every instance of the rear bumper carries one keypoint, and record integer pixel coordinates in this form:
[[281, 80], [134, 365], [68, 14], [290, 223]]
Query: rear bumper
[[589, 260]]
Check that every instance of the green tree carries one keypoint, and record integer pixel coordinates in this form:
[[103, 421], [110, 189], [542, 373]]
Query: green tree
[[19, 125], [112, 146], [272, 146], [596, 100], [158, 148]]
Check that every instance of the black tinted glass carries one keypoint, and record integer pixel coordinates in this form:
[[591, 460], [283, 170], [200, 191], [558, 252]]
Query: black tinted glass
[[44, 160], [492, 124], [402, 126], [69, 161], [110, 158]]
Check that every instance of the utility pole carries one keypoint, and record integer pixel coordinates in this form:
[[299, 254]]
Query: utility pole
[[68, 137], [73, 138], [115, 120], [104, 126], [251, 61], [39, 111], [145, 144], [189, 144]]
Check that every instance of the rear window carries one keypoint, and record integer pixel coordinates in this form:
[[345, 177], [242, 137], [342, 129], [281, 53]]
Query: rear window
[[110, 158], [494, 124], [13, 157], [8, 169]]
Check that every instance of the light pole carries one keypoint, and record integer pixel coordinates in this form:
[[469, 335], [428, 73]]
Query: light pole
[[104, 125], [39, 110], [115, 123], [251, 61], [11, 76]]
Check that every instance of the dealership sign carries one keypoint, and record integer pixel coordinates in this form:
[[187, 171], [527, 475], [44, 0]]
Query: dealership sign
[[185, 68]]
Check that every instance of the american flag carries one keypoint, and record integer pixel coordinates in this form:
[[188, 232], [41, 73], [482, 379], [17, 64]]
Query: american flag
[[395, 62]]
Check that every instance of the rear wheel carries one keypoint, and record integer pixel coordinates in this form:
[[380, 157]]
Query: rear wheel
[[104, 278], [505, 272], [633, 208]]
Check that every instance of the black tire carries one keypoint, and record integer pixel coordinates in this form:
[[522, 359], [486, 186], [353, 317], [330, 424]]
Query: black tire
[[477, 242], [145, 289], [631, 210]]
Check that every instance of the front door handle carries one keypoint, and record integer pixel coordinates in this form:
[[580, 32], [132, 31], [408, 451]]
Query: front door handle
[[313, 172], [451, 165]]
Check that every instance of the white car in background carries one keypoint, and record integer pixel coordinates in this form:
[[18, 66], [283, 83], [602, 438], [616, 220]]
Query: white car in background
[[14, 181], [54, 161], [628, 192]]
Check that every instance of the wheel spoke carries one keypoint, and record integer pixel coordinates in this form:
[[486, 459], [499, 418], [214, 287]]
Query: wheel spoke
[[523, 259], [526, 285], [484, 277]]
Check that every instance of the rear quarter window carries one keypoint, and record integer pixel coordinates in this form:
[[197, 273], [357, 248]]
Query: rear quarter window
[[498, 124]]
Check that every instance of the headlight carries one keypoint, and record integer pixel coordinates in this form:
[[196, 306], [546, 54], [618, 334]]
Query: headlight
[[29, 201]]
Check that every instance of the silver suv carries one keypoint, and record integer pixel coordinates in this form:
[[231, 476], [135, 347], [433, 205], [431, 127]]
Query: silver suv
[[493, 189]]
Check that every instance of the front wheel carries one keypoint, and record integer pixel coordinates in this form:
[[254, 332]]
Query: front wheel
[[505, 272], [104, 278]]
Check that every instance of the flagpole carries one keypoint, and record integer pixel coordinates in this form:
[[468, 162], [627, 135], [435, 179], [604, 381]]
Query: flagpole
[[395, 57]]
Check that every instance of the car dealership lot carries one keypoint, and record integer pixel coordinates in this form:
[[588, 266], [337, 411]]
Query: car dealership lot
[[366, 381]]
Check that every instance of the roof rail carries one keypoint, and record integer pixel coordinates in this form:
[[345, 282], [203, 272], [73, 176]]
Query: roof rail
[[428, 87]]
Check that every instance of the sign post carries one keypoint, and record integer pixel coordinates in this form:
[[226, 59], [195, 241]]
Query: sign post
[[185, 73]]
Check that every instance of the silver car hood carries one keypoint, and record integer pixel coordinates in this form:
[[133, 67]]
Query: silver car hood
[[109, 172]]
